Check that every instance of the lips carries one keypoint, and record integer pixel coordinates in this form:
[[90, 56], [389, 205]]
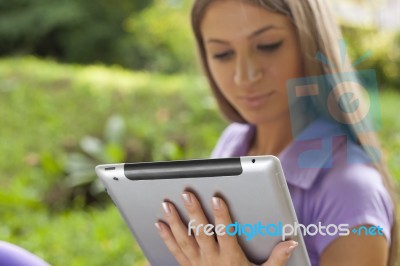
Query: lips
[[255, 100]]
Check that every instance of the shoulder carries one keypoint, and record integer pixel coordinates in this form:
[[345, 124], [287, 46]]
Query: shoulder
[[232, 140], [352, 183], [351, 192], [352, 171]]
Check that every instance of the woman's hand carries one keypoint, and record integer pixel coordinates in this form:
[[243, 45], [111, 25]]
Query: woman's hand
[[204, 250]]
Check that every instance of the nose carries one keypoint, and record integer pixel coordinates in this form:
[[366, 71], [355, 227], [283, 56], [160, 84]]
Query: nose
[[247, 71]]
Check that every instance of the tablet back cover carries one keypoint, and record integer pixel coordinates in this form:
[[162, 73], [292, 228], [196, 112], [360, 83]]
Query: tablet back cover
[[254, 188]]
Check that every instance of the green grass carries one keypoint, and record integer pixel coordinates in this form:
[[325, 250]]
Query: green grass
[[46, 109], [91, 237]]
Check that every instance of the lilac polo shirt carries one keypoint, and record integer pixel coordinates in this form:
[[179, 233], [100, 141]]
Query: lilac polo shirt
[[330, 179]]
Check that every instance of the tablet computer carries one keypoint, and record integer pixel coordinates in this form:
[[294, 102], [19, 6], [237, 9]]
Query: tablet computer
[[254, 187]]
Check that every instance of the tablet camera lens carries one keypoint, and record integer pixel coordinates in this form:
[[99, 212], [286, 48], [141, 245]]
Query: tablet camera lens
[[254, 160], [115, 178]]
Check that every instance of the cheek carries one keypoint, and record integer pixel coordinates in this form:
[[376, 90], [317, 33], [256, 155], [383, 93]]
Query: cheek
[[222, 76], [288, 67], [291, 62]]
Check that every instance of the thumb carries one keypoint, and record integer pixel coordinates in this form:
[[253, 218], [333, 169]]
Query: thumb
[[281, 253]]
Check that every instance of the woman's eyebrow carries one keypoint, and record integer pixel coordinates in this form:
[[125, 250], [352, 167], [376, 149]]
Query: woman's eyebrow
[[253, 34], [263, 29]]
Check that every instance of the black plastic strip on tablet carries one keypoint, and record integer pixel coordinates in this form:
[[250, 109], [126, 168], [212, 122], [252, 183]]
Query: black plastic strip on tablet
[[183, 169]]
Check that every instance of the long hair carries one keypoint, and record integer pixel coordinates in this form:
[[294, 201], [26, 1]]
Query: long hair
[[317, 32]]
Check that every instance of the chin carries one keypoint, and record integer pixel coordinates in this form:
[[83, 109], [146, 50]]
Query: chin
[[263, 117], [257, 119]]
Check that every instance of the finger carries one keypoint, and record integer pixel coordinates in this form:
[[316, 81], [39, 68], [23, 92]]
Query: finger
[[281, 253], [179, 230], [169, 240], [222, 216], [199, 223]]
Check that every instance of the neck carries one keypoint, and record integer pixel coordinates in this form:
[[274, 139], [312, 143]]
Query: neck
[[272, 136]]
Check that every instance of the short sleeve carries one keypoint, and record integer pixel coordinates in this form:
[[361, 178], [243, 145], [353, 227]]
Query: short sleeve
[[233, 141], [351, 194]]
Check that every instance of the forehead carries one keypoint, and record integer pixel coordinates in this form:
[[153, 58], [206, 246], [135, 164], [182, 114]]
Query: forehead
[[237, 18]]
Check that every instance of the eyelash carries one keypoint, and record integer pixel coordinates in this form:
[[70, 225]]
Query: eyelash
[[265, 48], [223, 56], [270, 47]]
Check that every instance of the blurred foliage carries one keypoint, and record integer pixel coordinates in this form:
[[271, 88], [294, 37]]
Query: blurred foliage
[[81, 185], [152, 35], [72, 237], [96, 151], [70, 118], [383, 48], [128, 33], [165, 44]]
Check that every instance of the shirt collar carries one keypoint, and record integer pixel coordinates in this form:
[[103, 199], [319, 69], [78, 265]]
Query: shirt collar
[[311, 151]]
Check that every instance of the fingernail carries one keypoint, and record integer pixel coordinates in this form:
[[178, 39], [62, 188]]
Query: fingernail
[[216, 202], [158, 227], [290, 249], [187, 198], [166, 208]]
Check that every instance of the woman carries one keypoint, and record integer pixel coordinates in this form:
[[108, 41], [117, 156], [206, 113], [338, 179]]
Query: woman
[[253, 53]]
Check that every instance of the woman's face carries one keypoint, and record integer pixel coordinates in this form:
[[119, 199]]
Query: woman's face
[[251, 53]]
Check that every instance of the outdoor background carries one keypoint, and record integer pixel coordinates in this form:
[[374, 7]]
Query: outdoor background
[[87, 82]]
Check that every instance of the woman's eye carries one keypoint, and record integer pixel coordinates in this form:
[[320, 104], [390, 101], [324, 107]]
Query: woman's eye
[[222, 56], [269, 47]]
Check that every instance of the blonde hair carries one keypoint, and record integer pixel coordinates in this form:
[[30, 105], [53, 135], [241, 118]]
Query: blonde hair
[[317, 32]]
